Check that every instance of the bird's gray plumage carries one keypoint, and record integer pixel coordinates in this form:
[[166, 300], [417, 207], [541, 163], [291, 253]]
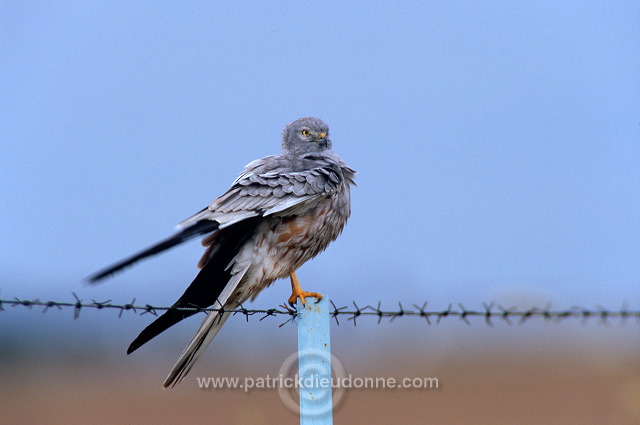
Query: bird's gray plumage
[[281, 211]]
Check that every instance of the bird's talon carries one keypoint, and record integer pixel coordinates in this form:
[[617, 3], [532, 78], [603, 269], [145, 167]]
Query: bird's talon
[[302, 295]]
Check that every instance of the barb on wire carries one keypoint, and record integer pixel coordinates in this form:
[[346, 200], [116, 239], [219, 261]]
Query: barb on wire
[[491, 311]]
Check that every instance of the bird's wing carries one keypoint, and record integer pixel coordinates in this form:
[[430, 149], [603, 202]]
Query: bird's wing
[[267, 186], [273, 185]]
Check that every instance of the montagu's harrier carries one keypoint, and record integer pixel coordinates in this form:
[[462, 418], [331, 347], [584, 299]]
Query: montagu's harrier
[[280, 212]]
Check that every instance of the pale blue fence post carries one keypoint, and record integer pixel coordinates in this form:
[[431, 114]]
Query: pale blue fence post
[[314, 362]]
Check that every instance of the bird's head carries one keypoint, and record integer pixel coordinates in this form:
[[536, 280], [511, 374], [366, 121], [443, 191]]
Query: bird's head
[[306, 135]]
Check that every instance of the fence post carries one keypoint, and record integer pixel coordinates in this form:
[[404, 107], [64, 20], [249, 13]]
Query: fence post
[[314, 362]]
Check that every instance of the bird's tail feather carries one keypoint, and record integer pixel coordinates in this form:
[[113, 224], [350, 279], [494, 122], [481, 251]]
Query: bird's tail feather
[[200, 228], [207, 331]]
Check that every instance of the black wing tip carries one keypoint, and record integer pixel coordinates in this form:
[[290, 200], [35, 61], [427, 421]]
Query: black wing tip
[[148, 334], [198, 229], [133, 347], [145, 336], [96, 278], [105, 273]]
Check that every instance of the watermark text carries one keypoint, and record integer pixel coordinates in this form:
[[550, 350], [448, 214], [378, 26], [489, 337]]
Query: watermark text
[[247, 383]]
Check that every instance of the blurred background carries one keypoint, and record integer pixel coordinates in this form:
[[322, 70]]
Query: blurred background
[[497, 146]]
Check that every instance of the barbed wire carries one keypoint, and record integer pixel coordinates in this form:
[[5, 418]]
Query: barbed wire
[[489, 312]]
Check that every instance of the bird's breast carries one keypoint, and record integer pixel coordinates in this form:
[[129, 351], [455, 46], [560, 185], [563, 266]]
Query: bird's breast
[[282, 244]]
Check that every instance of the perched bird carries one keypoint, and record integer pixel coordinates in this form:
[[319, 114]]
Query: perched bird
[[280, 212]]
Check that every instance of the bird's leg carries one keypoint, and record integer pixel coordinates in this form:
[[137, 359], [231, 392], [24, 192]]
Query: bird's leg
[[297, 292]]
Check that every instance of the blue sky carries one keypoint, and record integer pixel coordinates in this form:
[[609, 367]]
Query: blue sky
[[497, 144]]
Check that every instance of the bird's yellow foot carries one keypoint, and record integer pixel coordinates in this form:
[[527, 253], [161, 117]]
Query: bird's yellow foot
[[302, 294], [297, 292]]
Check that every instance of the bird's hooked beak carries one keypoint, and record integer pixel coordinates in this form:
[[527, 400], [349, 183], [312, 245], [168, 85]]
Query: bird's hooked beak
[[320, 137]]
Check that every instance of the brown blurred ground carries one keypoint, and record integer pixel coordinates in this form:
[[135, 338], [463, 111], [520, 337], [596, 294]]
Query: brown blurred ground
[[479, 387]]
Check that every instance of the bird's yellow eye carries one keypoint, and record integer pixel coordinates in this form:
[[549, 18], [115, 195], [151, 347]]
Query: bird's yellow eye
[[305, 132]]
